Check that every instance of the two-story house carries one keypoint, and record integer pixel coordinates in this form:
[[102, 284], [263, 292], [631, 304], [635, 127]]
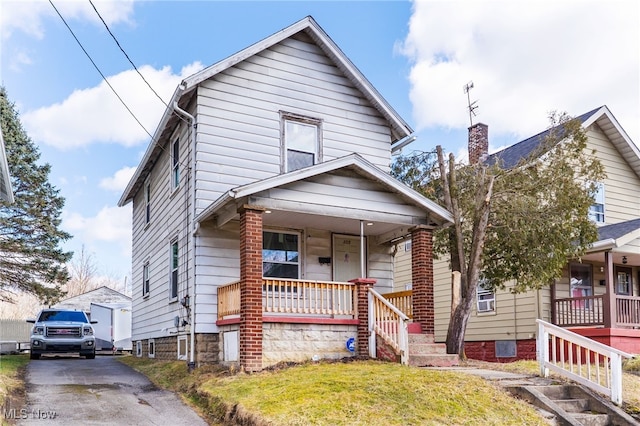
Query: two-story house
[[263, 210], [597, 296]]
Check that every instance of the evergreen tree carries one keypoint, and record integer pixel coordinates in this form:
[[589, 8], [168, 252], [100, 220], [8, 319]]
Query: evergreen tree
[[31, 260]]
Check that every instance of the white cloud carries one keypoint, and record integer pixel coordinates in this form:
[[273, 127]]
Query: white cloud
[[109, 225], [119, 181], [104, 118], [526, 59], [27, 16]]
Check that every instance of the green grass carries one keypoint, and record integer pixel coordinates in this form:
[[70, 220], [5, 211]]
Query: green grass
[[11, 383], [354, 393]]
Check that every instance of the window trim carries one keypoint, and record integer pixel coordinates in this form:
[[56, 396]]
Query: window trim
[[175, 164], [151, 348], [491, 302], [173, 279], [289, 116], [597, 210], [183, 338], [299, 262], [145, 280]]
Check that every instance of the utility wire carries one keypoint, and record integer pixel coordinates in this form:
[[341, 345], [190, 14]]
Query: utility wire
[[98, 69], [127, 56]]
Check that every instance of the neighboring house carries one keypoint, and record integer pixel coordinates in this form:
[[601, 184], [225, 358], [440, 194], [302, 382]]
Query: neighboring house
[[101, 295], [6, 192], [597, 296], [263, 210]]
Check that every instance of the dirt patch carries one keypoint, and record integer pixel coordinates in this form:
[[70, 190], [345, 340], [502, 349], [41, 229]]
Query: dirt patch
[[17, 397]]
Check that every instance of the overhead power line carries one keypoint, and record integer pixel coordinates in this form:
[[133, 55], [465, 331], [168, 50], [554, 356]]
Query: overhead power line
[[98, 69]]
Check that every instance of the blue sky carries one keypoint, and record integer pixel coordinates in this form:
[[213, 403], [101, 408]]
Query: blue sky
[[525, 59]]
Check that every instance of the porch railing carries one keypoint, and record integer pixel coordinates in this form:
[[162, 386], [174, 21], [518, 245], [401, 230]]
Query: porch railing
[[590, 310], [402, 300], [390, 324], [581, 359], [295, 297]]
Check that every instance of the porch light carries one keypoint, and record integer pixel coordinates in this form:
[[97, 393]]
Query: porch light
[[369, 223], [624, 260], [267, 211]]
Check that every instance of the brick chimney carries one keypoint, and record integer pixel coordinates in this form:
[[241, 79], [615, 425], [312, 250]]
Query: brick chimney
[[478, 142]]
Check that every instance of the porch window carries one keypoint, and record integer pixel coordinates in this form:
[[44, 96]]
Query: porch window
[[280, 255], [145, 280], [596, 211], [175, 164], [301, 142], [581, 284], [485, 297], [173, 278]]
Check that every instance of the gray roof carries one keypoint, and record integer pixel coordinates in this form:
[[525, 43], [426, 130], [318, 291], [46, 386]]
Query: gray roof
[[618, 230], [530, 147]]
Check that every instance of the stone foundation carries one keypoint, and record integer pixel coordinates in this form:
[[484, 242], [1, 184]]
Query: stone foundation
[[207, 348], [486, 351], [303, 342]]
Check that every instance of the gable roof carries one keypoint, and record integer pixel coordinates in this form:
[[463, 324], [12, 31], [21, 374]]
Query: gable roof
[[399, 128], [102, 294], [602, 116], [353, 161], [616, 235]]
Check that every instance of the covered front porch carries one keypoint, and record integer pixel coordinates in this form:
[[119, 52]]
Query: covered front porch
[[314, 244], [600, 297]]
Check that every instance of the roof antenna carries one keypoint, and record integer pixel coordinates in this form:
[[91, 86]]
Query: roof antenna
[[472, 105]]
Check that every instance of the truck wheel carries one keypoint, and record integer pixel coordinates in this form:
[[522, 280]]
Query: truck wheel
[[34, 356], [91, 356]]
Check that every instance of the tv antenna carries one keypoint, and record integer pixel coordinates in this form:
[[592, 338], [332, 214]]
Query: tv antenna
[[471, 105]]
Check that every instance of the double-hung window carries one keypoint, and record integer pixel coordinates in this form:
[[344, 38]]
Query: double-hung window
[[301, 142], [280, 255], [596, 211], [147, 202], [145, 280], [485, 297], [173, 278], [175, 164]]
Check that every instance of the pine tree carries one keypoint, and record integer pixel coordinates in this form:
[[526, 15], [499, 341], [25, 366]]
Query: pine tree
[[31, 260]]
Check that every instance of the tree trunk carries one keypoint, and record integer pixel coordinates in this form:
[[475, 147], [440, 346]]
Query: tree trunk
[[458, 327]]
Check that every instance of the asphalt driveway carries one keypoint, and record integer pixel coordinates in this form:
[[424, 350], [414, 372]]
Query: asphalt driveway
[[101, 391]]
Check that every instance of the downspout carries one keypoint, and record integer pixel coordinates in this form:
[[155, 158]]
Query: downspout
[[196, 227]]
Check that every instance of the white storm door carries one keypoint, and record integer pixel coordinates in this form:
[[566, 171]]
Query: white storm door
[[346, 257]]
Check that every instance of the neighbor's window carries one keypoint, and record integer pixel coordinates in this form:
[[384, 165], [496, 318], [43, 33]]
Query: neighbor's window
[[173, 278], [596, 211], [301, 142], [152, 348], [486, 297], [280, 255], [581, 285], [145, 280], [147, 202], [175, 163]]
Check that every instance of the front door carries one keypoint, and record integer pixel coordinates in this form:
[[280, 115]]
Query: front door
[[346, 257], [623, 281]]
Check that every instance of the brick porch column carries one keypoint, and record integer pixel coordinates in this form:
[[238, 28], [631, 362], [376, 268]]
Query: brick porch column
[[362, 309], [422, 277], [251, 288]]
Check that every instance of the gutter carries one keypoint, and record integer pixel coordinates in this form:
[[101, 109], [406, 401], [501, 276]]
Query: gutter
[[196, 226], [609, 243]]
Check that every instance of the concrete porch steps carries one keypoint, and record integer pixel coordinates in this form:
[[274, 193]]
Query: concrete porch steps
[[574, 405], [424, 352]]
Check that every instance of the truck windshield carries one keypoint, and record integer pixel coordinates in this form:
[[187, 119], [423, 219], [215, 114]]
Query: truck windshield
[[63, 316]]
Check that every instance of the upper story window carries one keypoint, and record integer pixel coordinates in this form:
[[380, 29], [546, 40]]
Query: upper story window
[[173, 277], [145, 280], [280, 255], [485, 297], [147, 202], [596, 211], [301, 142], [175, 163]]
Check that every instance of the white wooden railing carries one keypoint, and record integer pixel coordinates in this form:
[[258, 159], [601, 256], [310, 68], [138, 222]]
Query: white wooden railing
[[581, 359], [388, 322], [293, 297]]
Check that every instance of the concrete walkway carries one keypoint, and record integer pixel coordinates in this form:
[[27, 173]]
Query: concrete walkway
[[503, 378]]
